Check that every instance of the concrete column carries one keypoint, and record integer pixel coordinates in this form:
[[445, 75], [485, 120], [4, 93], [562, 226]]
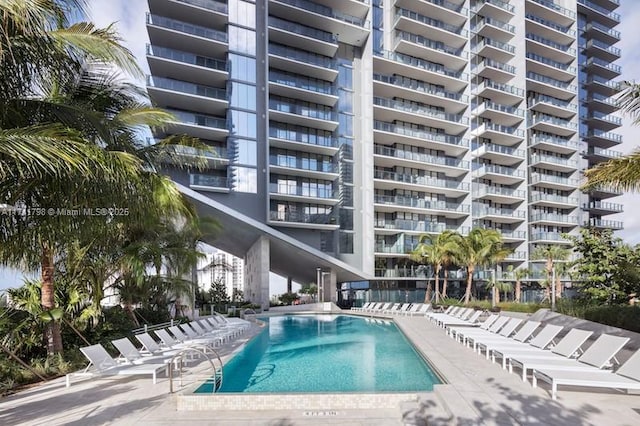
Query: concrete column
[[289, 285], [330, 286], [257, 273]]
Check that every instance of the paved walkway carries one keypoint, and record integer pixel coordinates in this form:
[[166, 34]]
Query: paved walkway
[[477, 392]]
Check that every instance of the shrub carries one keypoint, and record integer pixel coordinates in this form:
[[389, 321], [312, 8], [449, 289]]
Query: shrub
[[626, 317], [528, 308]]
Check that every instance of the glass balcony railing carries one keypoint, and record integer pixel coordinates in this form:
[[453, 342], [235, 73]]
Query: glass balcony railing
[[493, 43], [568, 31], [561, 161], [302, 56], [499, 149], [295, 217], [520, 235], [488, 62], [303, 30], [184, 27], [420, 157], [307, 164], [552, 198], [517, 255], [302, 134], [420, 109], [507, 88], [604, 46], [431, 44], [199, 119], [551, 63], [538, 118], [494, 23], [420, 180], [459, 8], [421, 63], [302, 191], [612, 15], [597, 97], [609, 153], [540, 98], [499, 3], [218, 153], [499, 107], [209, 181], [603, 117], [604, 82], [327, 11], [482, 190], [543, 177], [550, 217], [551, 81], [393, 248], [610, 31], [216, 6], [319, 112], [186, 87], [498, 170], [481, 210], [401, 12], [301, 82], [538, 137], [602, 223], [551, 5], [601, 205], [421, 134], [420, 203], [419, 226], [421, 86], [550, 43], [493, 127], [604, 64], [605, 135], [548, 236], [186, 57]]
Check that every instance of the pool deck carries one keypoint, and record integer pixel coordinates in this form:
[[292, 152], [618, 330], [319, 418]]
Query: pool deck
[[476, 393]]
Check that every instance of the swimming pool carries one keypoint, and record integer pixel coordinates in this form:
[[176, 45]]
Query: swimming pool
[[327, 353]]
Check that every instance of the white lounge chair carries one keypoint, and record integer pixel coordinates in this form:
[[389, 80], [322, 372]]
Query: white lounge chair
[[462, 322], [504, 332], [467, 336], [374, 307], [361, 308], [132, 355], [422, 310], [391, 309], [454, 331], [597, 356], [402, 310], [626, 377], [186, 339], [102, 364], [451, 312], [380, 309], [522, 336]]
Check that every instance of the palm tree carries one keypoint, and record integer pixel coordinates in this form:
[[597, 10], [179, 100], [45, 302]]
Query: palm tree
[[518, 275], [482, 247], [623, 173], [551, 254], [435, 251]]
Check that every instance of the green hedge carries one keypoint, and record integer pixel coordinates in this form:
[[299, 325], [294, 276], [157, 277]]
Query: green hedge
[[626, 317]]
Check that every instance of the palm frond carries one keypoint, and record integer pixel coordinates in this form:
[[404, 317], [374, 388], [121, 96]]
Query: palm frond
[[620, 174]]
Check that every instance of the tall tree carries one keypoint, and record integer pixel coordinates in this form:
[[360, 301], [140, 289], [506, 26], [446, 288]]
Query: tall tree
[[518, 275], [551, 254], [435, 251]]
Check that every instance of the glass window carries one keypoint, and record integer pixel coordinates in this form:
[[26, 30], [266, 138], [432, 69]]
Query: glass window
[[243, 96], [346, 243], [242, 13], [242, 40], [245, 152], [245, 179], [243, 124], [242, 68]]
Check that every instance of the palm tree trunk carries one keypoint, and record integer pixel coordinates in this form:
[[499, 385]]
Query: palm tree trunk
[[437, 289], [128, 308], [558, 287], [427, 294], [444, 283], [467, 294], [52, 334], [518, 291]]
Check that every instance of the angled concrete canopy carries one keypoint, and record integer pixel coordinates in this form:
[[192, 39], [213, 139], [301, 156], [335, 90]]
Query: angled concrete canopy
[[289, 257]]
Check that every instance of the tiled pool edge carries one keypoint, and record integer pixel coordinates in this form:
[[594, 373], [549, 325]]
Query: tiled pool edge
[[325, 401]]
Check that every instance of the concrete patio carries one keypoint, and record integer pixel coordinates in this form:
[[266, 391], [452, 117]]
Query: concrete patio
[[477, 392]]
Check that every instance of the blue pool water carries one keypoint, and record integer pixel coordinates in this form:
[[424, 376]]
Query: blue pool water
[[327, 353]]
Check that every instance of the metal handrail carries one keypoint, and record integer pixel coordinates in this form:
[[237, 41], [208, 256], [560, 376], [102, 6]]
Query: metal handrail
[[201, 350]]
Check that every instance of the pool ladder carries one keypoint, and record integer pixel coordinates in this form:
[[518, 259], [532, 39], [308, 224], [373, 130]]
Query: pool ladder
[[208, 372]]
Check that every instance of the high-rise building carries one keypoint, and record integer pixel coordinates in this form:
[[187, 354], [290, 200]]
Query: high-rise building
[[342, 130], [218, 266]]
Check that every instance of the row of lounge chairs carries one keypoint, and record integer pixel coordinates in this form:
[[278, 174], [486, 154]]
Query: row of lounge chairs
[[564, 362], [155, 356], [389, 308]]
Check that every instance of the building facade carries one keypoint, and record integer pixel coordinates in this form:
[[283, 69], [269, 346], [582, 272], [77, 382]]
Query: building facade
[[218, 266], [355, 126]]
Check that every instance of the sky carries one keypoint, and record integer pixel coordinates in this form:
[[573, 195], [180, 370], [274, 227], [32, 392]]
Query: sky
[[129, 18]]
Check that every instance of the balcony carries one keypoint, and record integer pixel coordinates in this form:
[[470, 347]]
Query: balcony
[[563, 35], [392, 180], [603, 139], [550, 124], [549, 238], [561, 183], [498, 215], [390, 133], [517, 256], [504, 135], [499, 174], [602, 32], [198, 125], [541, 199], [494, 70], [209, 183], [391, 204], [493, 29], [553, 106], [602, 208], [442, 10], [302, 138], [551, 219], [418, 113], [412, 67], [602, 50], [498, 194], [176, 64], [302, 37], [390, 157], [494, 49], [303, 220], [603, 86], [604, 122], [603, 104], [184, 95], [214, 157], [496, 9], [320, 194], [498, 154], [551, 162], [398, 248], [602, 192], [616, 225], [550, 49], [303, 167], [548, 142], [548, 10], [352, 30], [391, 86], [422, 47], [302, 87], [598, 13], [597, 155], [175, 34], [504, 114], [416, 23], [500, 93], [550, 86], [201, 12], [554, 69], [302, 113], [302, 62], [392, 226]]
